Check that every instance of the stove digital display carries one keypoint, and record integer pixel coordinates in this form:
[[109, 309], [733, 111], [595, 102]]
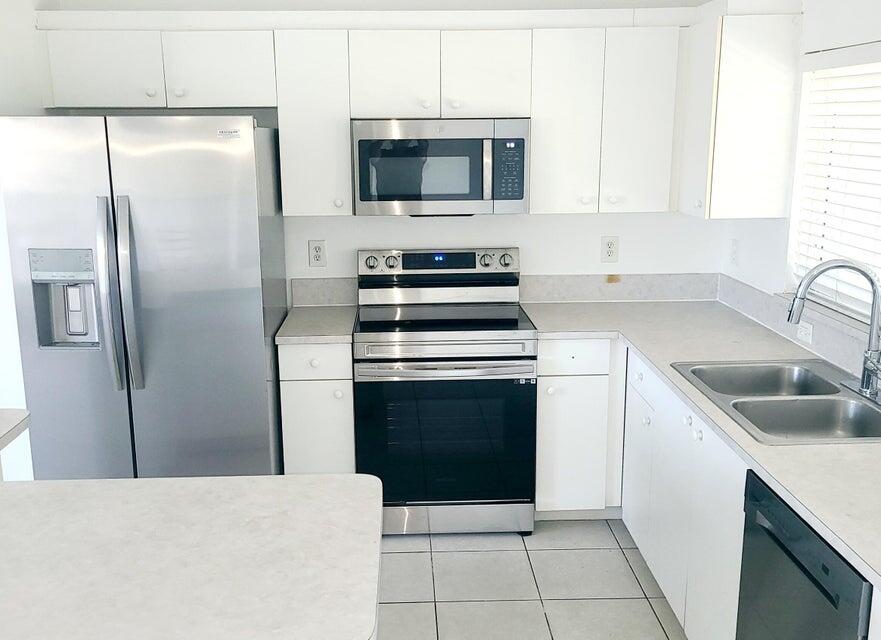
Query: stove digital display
[[443, 260]]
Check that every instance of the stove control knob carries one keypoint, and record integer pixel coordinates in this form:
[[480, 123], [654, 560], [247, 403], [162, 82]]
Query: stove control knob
[[486, 260], [371, 262], [391, 262], [506, 260]]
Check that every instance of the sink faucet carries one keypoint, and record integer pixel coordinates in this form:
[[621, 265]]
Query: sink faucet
[[872, 357]]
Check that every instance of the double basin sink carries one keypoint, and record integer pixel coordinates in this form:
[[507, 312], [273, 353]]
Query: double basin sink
[[787, 402]]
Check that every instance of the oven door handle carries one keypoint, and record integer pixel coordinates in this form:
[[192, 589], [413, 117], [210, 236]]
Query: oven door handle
[[370, 371]]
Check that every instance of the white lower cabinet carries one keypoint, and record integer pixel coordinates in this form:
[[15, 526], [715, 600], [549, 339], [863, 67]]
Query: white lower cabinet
[[572, 428], [16, 462], [683, 504], [715, 538], [637, 482], [318, 426]]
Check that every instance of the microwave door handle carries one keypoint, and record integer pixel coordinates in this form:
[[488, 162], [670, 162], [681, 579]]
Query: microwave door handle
[[487, 169]]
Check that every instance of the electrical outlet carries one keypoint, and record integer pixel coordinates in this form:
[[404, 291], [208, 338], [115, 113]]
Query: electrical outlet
[[733, 256], [805, 332], [609, 249], [317, 253]]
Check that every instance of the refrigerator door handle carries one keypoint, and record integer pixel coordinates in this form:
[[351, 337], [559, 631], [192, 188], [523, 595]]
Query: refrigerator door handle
[[105, 288], [126, 289]]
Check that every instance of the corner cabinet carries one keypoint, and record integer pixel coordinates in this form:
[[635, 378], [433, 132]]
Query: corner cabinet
[[312, 71], [317, 410], [572, 430], [683, 505], [738, 114]]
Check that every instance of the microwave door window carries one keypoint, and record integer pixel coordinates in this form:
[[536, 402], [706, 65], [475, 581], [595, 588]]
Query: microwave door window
[[394, 170]]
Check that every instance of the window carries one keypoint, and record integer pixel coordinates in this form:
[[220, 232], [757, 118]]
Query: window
[[837, 204]]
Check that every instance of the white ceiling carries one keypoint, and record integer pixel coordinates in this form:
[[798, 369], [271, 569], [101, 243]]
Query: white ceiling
[[352, 5]]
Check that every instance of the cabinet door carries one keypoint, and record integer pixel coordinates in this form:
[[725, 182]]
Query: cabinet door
[[638, 108], [697, 112], [395, 74], [312, 68], [716, 537], [571, 436], [219, 68], [667, 551], [567, 115], [639, 420], [755, 117], [485, 74], [106, 68], [318, 426]]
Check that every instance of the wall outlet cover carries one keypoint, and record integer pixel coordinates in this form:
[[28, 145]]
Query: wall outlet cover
[[609, 249], [317, 253], [805, 332]]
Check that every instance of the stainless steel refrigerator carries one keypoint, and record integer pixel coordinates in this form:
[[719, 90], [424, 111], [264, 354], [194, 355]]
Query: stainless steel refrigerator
[[148, 266]]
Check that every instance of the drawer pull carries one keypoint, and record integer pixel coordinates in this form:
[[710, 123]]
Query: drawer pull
[[647, 421], [314, 363]]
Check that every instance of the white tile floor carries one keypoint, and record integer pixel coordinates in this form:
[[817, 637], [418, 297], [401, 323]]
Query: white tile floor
[[573, 580]]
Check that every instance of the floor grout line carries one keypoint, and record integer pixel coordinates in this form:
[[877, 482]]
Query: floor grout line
[[434, 589], [538, 590]]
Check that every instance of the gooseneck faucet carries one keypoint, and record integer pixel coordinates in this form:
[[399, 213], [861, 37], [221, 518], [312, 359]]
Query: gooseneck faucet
[[872, 357]]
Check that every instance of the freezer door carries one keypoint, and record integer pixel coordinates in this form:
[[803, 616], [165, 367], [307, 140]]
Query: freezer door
[[56, 191], [185, 195]]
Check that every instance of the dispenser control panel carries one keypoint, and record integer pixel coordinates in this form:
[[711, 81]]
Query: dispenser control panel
[[62, 265]]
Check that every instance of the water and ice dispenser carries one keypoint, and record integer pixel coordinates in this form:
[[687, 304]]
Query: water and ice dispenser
[[64, 297]]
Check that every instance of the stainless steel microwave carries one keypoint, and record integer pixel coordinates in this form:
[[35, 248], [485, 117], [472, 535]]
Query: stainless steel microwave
[[440, 167]]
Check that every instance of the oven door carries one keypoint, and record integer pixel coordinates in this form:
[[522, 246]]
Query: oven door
[[447, 432], [423, 167]]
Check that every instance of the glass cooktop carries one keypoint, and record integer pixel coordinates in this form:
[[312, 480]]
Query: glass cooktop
[[442, 317]]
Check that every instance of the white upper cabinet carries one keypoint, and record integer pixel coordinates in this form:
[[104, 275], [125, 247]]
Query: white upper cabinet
[[638, 114], [739, 116], [486, 74], [567, 115], [219, 68], [395, 74], [756, 111], [312, 68], [842, 23], [106, 68]]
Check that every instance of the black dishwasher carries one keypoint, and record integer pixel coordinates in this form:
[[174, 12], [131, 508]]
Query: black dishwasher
[[793, 585]]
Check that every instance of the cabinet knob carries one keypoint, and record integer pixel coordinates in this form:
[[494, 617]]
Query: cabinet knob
[[639, 377], [647, 421], [698, 204], [179, 93], [551, 391], [688, 421], [697, 435], [613, 199], [151, 92], [426, 104], [338, 203], [314, 363], [584, 200], [338, 394], [455, 104]]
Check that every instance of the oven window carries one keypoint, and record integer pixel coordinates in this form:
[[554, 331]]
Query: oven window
[[447, 440], [420, 169]]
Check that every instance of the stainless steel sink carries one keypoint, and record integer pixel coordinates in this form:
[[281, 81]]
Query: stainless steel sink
[[826, 418], [789, 401], [763, 379]]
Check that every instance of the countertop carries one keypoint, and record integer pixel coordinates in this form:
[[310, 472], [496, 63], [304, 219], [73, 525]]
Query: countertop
[[12, 423], [294, 557], [835, 487], [317, 325]]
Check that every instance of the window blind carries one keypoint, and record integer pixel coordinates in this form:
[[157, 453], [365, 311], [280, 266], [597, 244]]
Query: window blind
[[837, 208]]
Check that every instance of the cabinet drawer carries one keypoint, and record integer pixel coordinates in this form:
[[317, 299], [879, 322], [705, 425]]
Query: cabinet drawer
[[573, 357], [315, 362], [645, 381]]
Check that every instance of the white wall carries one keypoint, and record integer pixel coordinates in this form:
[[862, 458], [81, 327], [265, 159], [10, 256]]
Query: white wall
[[22, 78], [755, 252], [551, 244]]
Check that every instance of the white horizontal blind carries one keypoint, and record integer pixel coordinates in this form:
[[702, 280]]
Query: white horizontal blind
[[837, 209]]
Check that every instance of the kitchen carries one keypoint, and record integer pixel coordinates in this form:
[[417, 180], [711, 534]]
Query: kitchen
[[308, 246]]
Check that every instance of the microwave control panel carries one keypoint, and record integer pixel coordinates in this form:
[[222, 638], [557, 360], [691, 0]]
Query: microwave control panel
[[509, 163]]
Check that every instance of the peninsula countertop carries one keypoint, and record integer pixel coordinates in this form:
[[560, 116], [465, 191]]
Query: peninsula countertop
[[12, 423], [832, 486], [294, 557], [315, 325]]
